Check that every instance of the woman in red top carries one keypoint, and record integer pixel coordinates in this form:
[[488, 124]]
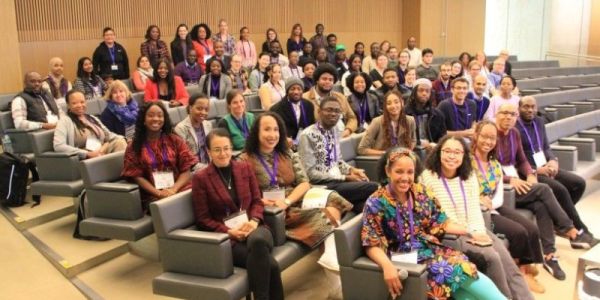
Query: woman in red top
[[166, 86], [203, 44], [157, 159]]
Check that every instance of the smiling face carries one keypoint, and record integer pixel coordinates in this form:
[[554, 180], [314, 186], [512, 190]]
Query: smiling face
[[109, 37], [264, 61], [119, 96], [268, 134], [445, 72], [219, 48], [275, 73], [33, 81], [220, 151], [325, 82], [410, 77], [528, 108], [144, 63], [393, 105], [452, 155], [236, 63], [215, 68], [202, 33], [506, 117], [382, 62], [356, 64], [460, 90], [479, 84], [294, 93], [191, 57], [199, 111], [456, 69], [88, 67], [506, 86], [329, 114], [163, 70], [275, 48], [271, 35], [359, 84], [182, 32], [154, 119], [390, 79], [404, 58], [294, 58], [401, 174], [237, 106], [485, 139], [76, 103]]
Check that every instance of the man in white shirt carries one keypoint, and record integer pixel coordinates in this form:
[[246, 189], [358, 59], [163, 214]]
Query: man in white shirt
[[34, 108], [415, 53]]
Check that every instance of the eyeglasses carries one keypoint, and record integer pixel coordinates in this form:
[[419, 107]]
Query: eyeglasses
[[222, 150], [451, 152], [508, 113], [330, 110]]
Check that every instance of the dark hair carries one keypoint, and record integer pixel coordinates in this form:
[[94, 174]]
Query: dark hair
[[512, 79], [446, 63], [327, 99], [232, 94], [459, 79], [217, 132], [170, 76], [331, 35], [316, 53], [208, 75], [350, 81], [352, 58], [319, 24], [270, 68], [273, 42], [309, 62], [259, 56], [463, 54], [78, 124], [382, 164], [177, 40], [139, 138], [412, 101], [402, 121], [107, 28], [434, 160], [389, 70], [267, 34], [426, 51], [137, 64], [325, 68], [195, 97], [242, 30], [253, 142], [83, 75], [147, 36], [194, 32], [478, 128], [359, 43]]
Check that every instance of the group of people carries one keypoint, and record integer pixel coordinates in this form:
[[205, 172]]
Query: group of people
[[407, 112]]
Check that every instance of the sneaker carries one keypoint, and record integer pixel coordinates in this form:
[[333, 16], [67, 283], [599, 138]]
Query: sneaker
[[551, 265], [582, 241], [533, 284], [589, 237]]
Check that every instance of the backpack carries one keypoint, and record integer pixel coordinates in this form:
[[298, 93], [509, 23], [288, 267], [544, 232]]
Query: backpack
[[14, 176]]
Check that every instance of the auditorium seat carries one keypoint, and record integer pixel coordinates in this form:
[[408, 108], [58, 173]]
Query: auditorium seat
[[20, 140]]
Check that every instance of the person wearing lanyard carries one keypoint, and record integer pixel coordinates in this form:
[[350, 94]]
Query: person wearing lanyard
[[529, 193], [477, 95], [189, 70], [293, 69], [238, 75], [507, 86], [258, 76], [194, 128], [87, 81], [296, 112], [364, 104], [402, 222], [238, 121], [110, 57], [450, 177], [522, 234], [296, 40], [284, 184], [354, 67], [226, 198], [202, 43], [276, 56], [429, 121], [153, 47], [247, 49], [214, 83], [157, 159], [121, 110], [458, 111], [166, 86], [441, 86], [392, 129], [567, 187], [319, 149], [273, 90]]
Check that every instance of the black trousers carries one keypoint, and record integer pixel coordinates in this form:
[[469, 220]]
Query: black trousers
[[548, 213], [356, 192], [523, 235], [263, 271], [568, 189]]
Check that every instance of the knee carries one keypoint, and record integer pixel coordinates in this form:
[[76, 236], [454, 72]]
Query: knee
[[518, 233], [260, 238]]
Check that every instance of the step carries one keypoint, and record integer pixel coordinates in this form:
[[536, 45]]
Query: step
[[51, 208]]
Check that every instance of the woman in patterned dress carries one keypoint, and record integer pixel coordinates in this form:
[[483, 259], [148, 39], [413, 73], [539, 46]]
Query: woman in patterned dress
[[388, 234]]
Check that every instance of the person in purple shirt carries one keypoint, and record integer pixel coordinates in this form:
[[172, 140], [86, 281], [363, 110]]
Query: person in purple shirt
[[566, 186], [458, 111], [189, 70], [441, 86], [529, 193]]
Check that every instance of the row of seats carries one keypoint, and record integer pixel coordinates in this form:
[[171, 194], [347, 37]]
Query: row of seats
[[556, 83], [555, 71]]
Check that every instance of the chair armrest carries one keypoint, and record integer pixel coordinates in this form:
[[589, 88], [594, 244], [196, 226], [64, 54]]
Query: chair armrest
[[509, 197], [275, 219], [567, 156], [585, 146], [15, 130], [369, 164], [59, 154], [565, 110], [366, 263], [590, 134], [206, 237], [120, 204], [115, 187]]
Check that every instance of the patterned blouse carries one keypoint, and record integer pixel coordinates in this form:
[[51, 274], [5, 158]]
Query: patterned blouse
[[487, 185], [228, 44], [289, 175], [321, 154]]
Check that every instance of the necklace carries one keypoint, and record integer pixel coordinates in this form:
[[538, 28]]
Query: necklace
[[228, 181]]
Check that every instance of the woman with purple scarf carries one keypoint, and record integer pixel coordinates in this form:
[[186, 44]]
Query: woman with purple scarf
[[121, 110]]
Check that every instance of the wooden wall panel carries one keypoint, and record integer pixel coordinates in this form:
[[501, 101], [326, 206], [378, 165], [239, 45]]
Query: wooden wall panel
[[10, 61], [72, 28], [411, 21], [594, 35]]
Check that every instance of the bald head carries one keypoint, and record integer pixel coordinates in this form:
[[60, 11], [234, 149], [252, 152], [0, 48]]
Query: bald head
[[528, 108], [506, 117], [33, 82], [479, 84], [56, 66]]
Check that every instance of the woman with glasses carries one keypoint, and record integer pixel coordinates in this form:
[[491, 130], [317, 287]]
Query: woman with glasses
[[238, 122], [227, 199]]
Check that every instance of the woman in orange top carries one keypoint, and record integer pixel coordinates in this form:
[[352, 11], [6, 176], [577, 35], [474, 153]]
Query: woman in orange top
[[166, 86]]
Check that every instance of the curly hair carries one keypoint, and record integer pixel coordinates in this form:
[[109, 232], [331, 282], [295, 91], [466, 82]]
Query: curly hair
[[195, 29], [402, 122], [253, 141], [149, 30], [434, 160], [396, 153], [140, 137]]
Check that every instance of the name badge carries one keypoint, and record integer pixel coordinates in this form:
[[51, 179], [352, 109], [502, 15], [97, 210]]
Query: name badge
[[92, 143], [539, 158], [274, 194], [234, 221], [315, 198], [114, 67], [410, 257], [52, 118], [510, 171], [365, 126], [163, 179], [207, 57], [300, 53]]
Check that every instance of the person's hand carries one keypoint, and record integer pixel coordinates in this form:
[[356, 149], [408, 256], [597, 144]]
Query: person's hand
[[268, 202], [486, 201], [469, 133], [346, 133], [174, 103], [521, 186], [236, 234], [360, 173], [92, 154], [48, 125], [170, 192], [352, 177], [248, 227], [392, 280], [281, 204], [544, 171], [481, 237], [532, 179], [553, 166]]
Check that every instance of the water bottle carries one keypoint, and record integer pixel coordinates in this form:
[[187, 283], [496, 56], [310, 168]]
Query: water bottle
[[7, 144]]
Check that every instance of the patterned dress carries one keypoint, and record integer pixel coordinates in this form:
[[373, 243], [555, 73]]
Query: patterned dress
[[448, 269], [309, 226]]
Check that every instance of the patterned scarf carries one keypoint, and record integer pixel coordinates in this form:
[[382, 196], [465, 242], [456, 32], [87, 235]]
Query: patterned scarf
[[126, 114]]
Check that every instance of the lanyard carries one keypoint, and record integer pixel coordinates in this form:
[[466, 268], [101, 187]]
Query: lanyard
[[297, 72], [329, 146], [272, 173], [302, 113], [537, 135], [243, 127], [363, 109], [202, 149], [394, 134], [482, 170], [399, 219], [214, 86], [512, 151], [206, 48], [480, 109], [165, 159], [111, 51], [456, 115], [462, 190]]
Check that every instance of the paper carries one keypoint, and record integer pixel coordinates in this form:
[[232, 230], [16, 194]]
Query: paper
[[410, 257], [274, 194], [510, 171], [51, 118], [207, 57], [163, 179], [236, 220], [540, 159], [92, 143], [315, 198], [365, 126]]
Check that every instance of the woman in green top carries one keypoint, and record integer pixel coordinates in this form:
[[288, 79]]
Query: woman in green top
[[238, 122]]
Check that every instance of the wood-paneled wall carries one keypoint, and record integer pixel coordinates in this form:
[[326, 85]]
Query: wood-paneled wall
[[10, 61], [72, 28], [594, 35]]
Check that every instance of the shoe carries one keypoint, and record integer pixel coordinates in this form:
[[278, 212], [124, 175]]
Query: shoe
[[589, 237], [582, 241], [551, 265], [532, 269], [533, 284], [89, 238], [334, 284], [329, 258]]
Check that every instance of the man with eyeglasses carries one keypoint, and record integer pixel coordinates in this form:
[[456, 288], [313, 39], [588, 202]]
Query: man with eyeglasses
[[531, 195], [321, 157], [566, 186], [459, 112]]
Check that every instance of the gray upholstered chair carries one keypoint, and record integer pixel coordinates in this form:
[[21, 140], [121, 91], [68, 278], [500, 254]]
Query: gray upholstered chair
[[362, 278], [20, 140], [114, 206]]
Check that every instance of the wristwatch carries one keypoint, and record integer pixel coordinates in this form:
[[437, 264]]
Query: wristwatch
[[287, 201]]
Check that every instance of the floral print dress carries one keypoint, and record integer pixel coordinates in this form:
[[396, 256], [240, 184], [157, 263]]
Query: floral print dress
[[448, 268]]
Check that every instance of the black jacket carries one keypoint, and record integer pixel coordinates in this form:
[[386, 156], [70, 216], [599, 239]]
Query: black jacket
[[436, 124], [284, 109], [102, 61]]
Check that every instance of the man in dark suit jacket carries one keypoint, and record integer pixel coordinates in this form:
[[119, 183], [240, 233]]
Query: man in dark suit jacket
[[297, 113], [220, 55]]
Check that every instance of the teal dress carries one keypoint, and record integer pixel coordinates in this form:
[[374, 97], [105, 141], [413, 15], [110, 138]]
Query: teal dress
[[239, 130]]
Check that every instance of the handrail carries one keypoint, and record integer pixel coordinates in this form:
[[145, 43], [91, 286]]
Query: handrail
[[578, 57]]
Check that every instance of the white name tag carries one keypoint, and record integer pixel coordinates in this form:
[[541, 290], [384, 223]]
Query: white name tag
[[236, 220], [163, 179], [52, 118], [510, 171], [410, 257], [114, 67], [297, 138], [315, 198], [274, 194], [92, 143], [540, 159], [365, 125]]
